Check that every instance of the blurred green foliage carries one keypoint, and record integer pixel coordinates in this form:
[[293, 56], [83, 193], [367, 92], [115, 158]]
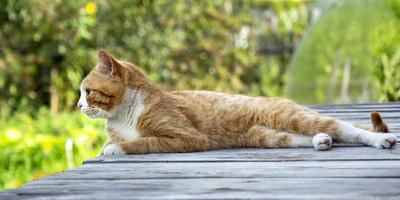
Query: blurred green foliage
[[32, 147], [387, 75], [358, 38], [385, 51], [47, 47]]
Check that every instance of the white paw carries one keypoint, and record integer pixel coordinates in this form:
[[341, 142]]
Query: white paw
[[385, 141], [113, 149], [322, 142]]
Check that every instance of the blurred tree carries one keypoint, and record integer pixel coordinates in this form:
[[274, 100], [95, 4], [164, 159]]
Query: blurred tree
[[48, 46], [347, 54], [44, 44], [208, 45], [385, 49]]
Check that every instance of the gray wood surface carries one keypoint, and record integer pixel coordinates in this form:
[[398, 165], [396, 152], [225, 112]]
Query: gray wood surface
[[344, 172], [261, 155], [310, 169]]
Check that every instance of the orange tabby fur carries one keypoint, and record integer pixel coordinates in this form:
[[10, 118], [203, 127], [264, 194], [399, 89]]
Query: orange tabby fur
[[186, 121]]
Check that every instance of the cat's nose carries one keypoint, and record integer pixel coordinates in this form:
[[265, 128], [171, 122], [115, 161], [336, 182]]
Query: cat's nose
[[79, 105]]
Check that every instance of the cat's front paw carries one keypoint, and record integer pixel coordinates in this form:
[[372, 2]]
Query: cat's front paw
[[322, 142], [113, 149], [385, 141]]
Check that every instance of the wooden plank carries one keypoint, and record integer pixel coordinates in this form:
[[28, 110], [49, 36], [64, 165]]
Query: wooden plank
[[363, 112], [356, 115], [367, 121], [356, 106], [309, 169], [359, 110], [9, 194], [220, 188], [261, 155]]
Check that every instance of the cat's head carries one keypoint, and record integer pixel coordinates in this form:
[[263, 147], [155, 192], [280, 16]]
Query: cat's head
[[103, 89]]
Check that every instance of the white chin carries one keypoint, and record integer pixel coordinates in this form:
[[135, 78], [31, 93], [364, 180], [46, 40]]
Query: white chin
[[96, 113], [91, 116]]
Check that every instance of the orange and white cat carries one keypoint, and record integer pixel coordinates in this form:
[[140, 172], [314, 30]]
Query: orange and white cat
[[142, 118]]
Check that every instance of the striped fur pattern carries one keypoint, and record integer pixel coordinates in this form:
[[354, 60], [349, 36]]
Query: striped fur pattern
[[142, 118]]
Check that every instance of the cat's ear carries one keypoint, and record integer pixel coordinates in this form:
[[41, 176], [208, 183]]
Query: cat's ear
[[108, 65]]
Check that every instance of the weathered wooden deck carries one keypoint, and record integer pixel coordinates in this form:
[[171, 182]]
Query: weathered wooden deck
[[355, 172]]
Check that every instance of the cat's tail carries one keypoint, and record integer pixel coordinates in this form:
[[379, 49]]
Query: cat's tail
[[378, 125]]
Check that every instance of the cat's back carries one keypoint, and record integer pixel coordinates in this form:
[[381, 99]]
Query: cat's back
[[225, 116], [221, 115], [212, 98], [222, 102], [208, 104]]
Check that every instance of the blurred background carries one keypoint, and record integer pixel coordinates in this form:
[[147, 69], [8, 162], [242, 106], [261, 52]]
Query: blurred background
[[315, 52]]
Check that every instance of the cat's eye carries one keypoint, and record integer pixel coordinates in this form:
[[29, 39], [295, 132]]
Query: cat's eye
[[88, 91]]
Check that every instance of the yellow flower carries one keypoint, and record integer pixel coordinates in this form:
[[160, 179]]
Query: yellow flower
[[46, 144], [90, 8]]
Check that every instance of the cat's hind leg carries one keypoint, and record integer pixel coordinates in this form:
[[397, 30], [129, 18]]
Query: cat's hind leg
[[263, 137], [311, 123], [352, 134], [342, 131], [369, 136]]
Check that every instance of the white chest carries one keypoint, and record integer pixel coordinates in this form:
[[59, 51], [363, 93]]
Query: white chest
[[123, 130], [125, 125]]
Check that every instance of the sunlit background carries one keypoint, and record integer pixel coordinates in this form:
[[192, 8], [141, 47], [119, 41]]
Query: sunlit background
[[315, 52]]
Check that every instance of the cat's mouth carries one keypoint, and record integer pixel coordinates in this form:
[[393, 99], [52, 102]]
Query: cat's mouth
[[93, 113], [90, 112]]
